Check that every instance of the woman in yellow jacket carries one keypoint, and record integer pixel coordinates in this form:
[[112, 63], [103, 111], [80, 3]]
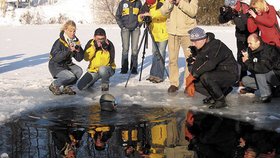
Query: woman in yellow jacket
[[150, 10], [100, 53]]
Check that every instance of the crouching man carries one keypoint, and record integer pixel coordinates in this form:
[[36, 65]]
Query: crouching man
[[100, 53], [214, 70], [263, 62]]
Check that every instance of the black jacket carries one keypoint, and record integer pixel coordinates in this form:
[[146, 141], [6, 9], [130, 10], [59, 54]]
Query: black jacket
[[214, 55], [240, 21], [264, 59], [61, 56]]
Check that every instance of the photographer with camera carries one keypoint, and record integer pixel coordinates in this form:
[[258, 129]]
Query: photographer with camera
[[214, 70], [100, 52], [264, 21], [181, 17], [63, 70], [152, 17], [236, 10]]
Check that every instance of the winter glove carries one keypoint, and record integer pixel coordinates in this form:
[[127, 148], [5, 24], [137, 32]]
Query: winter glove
[[190, 89]]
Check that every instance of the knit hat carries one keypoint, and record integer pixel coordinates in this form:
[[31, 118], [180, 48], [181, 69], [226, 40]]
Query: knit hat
[[100, 32], [150, 2], [197, 33], [230, 2]]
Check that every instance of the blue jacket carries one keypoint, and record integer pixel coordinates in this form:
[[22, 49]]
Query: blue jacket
[[61, 56], [127, 14]]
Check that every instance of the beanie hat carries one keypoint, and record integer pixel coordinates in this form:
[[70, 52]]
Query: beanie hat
[[150, 2], [100, 32], [197, 33], [230, 2]]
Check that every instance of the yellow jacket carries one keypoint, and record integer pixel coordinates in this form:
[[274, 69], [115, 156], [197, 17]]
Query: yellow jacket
[[158, 24], [99, 57]]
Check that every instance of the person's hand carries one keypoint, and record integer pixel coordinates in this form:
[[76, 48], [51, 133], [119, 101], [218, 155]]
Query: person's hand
[[244, 56], [252, 13], [172, 1], [144, 14], [190, 89], [74, 48]]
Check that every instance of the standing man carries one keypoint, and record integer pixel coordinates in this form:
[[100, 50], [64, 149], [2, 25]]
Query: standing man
[[127, 19], [236, 10], [181, 18]]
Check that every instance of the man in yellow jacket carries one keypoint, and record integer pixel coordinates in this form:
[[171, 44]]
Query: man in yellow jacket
[[181, 18], [150, 10], [100, 53]]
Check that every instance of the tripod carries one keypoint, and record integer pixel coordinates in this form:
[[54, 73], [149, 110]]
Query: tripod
[[144, 40]]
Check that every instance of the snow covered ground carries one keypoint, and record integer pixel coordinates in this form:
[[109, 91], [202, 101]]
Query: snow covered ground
[[24, 77]]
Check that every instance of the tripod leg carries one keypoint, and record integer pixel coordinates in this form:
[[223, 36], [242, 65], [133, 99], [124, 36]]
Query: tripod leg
[[141, 42]]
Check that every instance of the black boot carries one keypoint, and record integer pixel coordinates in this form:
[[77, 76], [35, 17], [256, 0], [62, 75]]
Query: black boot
[[124, 68], [218, 104], [208, 101], [134, 70]]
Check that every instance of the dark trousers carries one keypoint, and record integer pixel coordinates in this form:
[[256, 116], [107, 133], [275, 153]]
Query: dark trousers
[[214, 83], [241, 45]]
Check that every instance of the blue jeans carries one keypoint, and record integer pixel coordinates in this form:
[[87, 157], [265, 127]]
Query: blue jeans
[[266, 81], [126, 35], [68, 77], [104, 72], [158, 64]]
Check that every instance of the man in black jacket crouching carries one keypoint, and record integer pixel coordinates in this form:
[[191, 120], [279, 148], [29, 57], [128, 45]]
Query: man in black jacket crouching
[[263, 61], [215, 69]]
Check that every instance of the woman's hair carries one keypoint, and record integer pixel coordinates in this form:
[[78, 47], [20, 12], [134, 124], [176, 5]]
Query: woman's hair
[[260, 5], [68, 23]]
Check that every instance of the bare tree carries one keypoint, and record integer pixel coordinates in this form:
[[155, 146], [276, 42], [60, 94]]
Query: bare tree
[[105, 10]]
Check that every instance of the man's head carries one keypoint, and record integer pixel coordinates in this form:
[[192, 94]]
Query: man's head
[[198, 37], [254, 41], [100, 34]]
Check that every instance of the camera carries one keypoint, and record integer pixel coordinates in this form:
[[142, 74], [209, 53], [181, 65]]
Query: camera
[[147, 19], [105, 45], [77, 46]]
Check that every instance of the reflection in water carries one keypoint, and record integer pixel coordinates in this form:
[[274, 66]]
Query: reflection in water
[[214, 136], [134, 131], [84, 131]]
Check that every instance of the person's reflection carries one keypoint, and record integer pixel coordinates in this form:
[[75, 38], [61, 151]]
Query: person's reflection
[[100, 136], [134, 140], [67, 140], [210, 136]]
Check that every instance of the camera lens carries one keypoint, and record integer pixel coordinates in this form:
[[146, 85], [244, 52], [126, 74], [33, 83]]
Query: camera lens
[[77, 47]]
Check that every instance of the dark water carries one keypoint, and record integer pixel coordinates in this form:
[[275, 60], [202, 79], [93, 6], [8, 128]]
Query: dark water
[[132, 131]]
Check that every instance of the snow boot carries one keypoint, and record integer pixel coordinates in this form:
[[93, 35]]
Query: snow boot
[[55, 89], [218, 104], [68, 90]]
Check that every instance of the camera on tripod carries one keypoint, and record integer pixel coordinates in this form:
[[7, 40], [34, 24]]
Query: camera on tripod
[[147, 19]]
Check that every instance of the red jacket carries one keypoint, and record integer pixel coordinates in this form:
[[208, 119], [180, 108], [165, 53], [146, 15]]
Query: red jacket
[[266, 24]]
